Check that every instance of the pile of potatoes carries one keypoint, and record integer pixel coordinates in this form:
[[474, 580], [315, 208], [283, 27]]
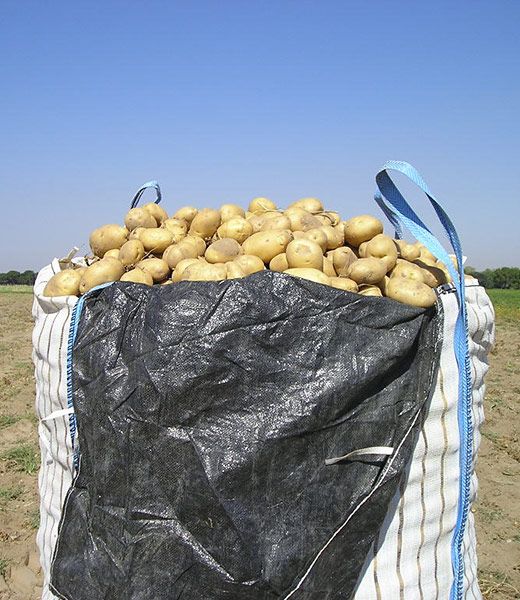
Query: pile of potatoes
[[304, 240]]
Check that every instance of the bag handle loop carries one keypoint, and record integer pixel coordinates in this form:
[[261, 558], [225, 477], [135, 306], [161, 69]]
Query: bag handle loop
[[142, 189], [402, 213]]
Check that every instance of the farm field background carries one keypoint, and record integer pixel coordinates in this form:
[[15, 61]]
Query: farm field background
[[497, 510]]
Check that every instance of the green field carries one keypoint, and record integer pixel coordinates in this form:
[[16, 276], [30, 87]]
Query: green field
[[507, 305], [16, 289]]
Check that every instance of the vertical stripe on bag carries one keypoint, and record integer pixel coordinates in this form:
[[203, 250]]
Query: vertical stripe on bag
[[402, 486], [374, 564], [442, 477], [423, 513]]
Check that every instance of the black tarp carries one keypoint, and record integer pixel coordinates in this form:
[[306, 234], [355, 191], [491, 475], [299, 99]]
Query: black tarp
[[205, 413]]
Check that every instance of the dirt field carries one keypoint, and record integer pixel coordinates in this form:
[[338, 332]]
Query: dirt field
[[497, 511]]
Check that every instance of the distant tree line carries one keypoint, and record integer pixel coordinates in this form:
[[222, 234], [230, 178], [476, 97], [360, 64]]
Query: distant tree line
[[503, 278], [17, 278]]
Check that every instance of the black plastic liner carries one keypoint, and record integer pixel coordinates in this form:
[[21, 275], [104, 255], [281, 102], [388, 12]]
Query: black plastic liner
[[205, 413]]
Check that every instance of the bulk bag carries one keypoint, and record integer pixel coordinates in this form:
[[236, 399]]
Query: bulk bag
[[263, 438]]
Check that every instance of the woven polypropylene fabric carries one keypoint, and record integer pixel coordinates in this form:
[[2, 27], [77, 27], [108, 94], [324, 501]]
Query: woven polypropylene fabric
[[411, 559], [396, 572], [50, 340]]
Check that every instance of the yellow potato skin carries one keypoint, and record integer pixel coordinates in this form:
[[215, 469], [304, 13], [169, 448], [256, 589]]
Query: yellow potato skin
[[205, 223], [311, 274], [137, 276], [102, 271], [156, 267], [230, 211], [383, 247], [63, 283], [131, 253], [261, 205], [344, 283], [311, 205], [182, 266], [107, 237], [236, 228], [156, 240], [361, 229], [186, 213], [223, 251], [157, 212], [367, 270], [139, 217], [304, 254], [250, 264], [410, 292], [267, 244], [279, 263]]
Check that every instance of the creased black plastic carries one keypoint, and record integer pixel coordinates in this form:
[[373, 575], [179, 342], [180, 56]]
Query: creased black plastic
[[205, 413]]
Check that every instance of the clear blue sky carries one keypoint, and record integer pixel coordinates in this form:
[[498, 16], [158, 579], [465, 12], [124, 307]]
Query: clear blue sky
[[224, 101]]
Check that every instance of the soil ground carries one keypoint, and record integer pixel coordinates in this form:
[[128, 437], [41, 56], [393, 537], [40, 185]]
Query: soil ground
[[497, 511]]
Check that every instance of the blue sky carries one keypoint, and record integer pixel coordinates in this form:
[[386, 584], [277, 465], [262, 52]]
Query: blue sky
[[224, 101]]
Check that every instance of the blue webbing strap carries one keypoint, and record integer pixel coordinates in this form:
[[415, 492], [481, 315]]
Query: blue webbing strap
[[402, 212], [389, 215], [141, 190]]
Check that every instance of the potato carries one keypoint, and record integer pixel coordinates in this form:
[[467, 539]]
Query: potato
[[267, 244], [311, 205], [139, 217], [176, 226], [112, 253], [383, 247], [234, 270], [64, 283], [157, 267], [362, 250], [107, 238], [167, 282], [301, 220], [276, 222], [279, 263], [177, 252], [361, 229], [406, 250], [205, 223], [342, 258], [261, 205], [433, 275], [256, 221], [156, 240], [223, 251], [182, 265], [370, 290], [236, 228], [304, 254], [328, 267], [197, 243], [411, 292], [156, 211], [250, 264], [134, 235], [138, 276], [131, 252], [316, 235], [102, 271], [186, 213], [311, 274], [408, 270], [205, 272], [329, 218], [367, 270], [229, 211], [334, 237], [343, 283], [382, 285], [426, 255]]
